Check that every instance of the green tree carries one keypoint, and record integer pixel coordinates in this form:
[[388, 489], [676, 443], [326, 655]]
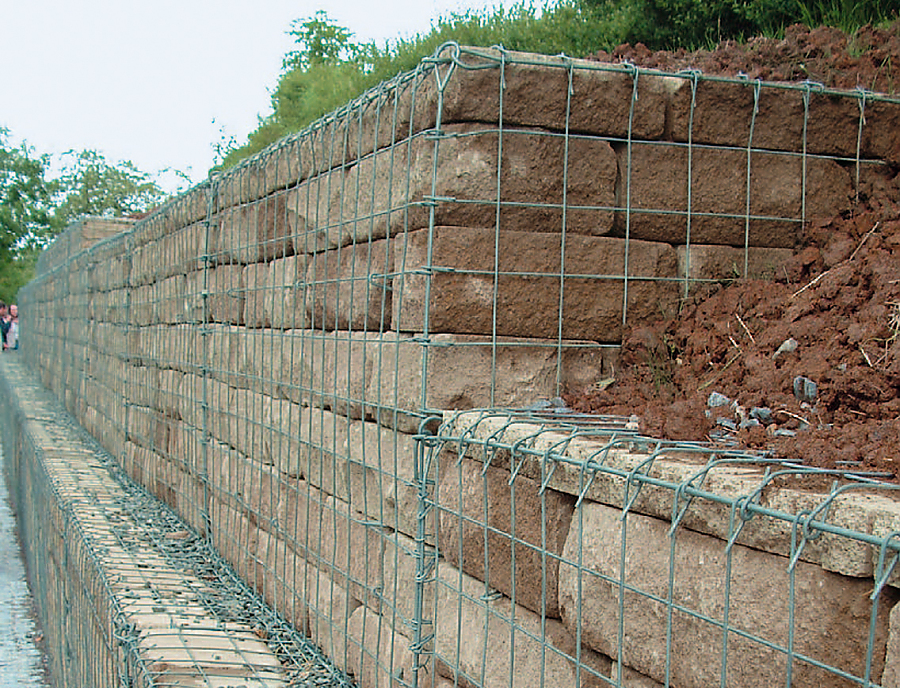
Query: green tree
[[34, 207], [26, 199], [89, 185]]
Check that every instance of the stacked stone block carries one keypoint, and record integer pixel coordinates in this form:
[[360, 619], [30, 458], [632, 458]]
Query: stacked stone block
[[266, 352]]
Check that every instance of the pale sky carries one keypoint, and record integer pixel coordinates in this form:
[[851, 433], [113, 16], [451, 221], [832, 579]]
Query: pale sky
[[159, 82]]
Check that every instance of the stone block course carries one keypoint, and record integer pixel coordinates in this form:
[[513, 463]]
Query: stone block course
[[527, 265], [659, 195], [831, 121], [757, 603], [384, 194], [876, 514]]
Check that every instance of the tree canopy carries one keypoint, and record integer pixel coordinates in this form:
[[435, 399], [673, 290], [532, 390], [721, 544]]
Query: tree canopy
[[35, 206]]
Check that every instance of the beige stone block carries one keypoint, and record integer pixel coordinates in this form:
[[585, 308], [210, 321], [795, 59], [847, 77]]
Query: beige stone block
[[400, 582], [718, 194], [273, 362], [335, 369], [514, 374], [220, 348], [379, 653], [254, 278], [234, 478], [758, 603], [183, 249], [299, 517], [705, 262], [330, 608], [492, 642], [349, 288], [170, 295], [171, 398], [223, 292], [509, 535], [520, 271], [383, 477], [141, 423], [387, 193], [350, 550], [891, 675], [254, 232], [284, 306], [144, 305], [143, 386], [283, 584], [315, 207]]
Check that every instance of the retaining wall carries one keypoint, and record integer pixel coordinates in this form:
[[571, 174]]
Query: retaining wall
[[273, 352]]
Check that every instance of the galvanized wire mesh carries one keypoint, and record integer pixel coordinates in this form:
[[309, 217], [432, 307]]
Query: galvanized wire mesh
[[272, 355]]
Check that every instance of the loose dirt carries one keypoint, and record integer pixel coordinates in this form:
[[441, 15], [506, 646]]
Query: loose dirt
[[838, 301]]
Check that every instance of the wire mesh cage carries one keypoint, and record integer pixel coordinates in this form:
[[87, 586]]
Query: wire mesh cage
[[276, 355]]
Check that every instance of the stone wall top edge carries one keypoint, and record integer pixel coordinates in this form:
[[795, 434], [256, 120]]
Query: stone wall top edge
[[501, 57]]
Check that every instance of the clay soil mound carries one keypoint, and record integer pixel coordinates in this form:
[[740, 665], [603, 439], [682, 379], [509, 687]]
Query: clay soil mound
[[807, 366]]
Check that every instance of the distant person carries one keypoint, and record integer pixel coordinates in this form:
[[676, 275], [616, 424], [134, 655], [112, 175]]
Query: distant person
[[5, 321], [12, 333]]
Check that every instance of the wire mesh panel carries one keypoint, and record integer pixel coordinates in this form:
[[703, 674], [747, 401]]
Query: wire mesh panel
[[273, 353]]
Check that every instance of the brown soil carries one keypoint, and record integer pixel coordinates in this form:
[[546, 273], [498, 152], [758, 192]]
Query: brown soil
[[868, 59], [838, 299]]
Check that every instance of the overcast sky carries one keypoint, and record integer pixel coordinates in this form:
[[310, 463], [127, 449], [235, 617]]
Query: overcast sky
[[159, 82]]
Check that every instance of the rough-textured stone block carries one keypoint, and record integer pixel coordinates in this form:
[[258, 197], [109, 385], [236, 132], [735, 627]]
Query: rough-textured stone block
[[255, 232], [171, 398], [527, 290], [493, 643], [705, 262], [723, 115], [330, 608], [509, 535], [758, 603], [274, 362], [351, 549], [349, 288], [891, 675], [254, 279], [284, 307], [382, 477], [221, 348], [299, 515], [400, 581], [515, 373], [659, 195], [222, 290], [389, 192], [336, 368], [536, 93], [379, 654], [283, 583], [236, 479]]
